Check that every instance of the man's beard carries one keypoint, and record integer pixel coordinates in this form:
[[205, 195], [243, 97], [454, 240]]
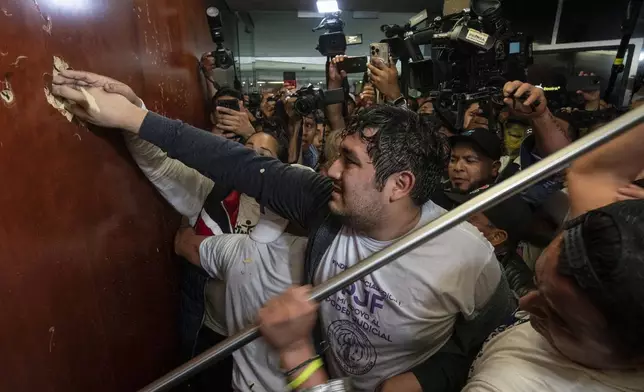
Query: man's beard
[[361, 221]]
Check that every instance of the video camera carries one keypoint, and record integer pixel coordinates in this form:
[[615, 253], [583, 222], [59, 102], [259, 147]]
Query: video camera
[[333, 42], [310, 99], [470, 50], [224, 71]]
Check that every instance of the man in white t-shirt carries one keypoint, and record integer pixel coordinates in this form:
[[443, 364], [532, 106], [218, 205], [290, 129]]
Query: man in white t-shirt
[[398, 319], [255, 268], [587, 314], [581, 329]]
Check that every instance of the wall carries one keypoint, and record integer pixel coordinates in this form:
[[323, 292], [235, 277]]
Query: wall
[[284, 34], [88, 291], [284, 42]]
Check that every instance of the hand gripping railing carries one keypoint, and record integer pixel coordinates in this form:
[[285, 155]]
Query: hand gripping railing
[[510, 187]]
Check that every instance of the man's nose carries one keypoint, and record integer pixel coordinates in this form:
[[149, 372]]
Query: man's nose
[[335, 171]]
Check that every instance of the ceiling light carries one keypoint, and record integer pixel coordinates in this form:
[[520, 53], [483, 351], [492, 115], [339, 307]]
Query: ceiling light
[[327, 6]]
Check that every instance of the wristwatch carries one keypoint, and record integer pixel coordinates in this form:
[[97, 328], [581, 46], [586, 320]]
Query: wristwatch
[[340, 385], [400, 101]]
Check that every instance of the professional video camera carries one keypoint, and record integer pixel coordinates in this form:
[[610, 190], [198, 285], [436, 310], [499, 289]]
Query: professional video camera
[[224, 71], [470, 50], [473, 53], [310, 99], [333, 42]]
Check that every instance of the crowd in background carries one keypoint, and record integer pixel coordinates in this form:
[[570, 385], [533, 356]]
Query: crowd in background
[[539, 293]]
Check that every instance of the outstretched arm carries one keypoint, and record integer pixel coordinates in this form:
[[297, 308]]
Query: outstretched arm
[[184, 188], [297, 195], [599, 177], [334, 112]]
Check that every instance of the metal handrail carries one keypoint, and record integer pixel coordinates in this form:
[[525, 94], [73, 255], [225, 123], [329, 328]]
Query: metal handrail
[[491, 197]]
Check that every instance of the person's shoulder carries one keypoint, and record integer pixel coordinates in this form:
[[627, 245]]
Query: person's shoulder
[[227, 243], [463, 244]]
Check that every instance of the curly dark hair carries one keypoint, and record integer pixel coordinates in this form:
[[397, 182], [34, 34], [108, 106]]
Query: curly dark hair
[[402, 142], [609, 269]]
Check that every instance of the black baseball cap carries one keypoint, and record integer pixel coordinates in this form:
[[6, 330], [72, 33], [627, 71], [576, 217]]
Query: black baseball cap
[[514, 215], [484, 139]]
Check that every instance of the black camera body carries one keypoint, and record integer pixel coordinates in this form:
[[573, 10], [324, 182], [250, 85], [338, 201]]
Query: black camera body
[[224, 69], [472, 49], [333, 42], [310, 99]]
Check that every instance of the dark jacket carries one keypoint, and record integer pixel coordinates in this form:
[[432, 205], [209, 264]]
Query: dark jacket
[[302, 197]]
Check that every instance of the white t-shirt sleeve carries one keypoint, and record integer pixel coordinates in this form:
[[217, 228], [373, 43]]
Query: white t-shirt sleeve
[[183, 187], [217, 254], [487, 282]]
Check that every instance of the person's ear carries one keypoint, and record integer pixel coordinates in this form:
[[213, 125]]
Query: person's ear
[[498, 237], [401, 185], [496, 168]]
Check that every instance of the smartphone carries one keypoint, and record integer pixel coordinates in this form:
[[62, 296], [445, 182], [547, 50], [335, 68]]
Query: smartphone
[[353, 65], [380, 51], [232, 104], [584, 83]]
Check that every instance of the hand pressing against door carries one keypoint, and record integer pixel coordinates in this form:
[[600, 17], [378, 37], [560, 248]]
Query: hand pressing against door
[[97, 106], [100, 100], [89, 79]]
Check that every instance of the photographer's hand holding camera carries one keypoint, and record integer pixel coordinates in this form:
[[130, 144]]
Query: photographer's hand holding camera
[[368, 96], [207, 65], [474, 118], [231, 121], [551, 133], [385, 78], [336, 78]]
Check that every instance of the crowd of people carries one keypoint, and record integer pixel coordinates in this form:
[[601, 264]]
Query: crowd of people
[[542, 292]]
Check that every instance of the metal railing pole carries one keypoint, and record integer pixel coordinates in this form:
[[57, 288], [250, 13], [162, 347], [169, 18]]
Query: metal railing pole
[[508, 188]]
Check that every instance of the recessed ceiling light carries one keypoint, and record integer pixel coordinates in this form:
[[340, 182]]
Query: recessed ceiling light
[[326, 6]]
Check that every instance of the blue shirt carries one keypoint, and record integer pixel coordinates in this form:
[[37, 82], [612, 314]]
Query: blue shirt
[[310, 157]]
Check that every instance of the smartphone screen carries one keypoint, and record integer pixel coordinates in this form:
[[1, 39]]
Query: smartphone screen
[[232, 104]]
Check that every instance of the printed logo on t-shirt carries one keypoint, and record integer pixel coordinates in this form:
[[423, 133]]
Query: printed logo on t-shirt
[[244, 227], [351, 347], [350, 339]]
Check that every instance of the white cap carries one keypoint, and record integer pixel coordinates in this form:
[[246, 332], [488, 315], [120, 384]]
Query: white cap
[[271, 226]]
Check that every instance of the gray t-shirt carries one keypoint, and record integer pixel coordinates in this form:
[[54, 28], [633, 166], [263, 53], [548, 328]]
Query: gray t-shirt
[[254, 272], [398, 316]]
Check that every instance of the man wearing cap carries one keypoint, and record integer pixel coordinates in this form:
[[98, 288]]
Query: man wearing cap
[[475, 160]]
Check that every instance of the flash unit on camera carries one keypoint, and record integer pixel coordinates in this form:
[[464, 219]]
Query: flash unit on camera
[[327, 6], [212, 12]]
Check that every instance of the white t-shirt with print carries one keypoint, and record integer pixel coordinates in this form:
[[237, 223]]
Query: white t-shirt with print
[[401, 314], [520, 360]]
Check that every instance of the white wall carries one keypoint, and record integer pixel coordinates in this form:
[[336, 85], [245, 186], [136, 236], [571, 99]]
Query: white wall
[[283, 34], [282, 41]]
